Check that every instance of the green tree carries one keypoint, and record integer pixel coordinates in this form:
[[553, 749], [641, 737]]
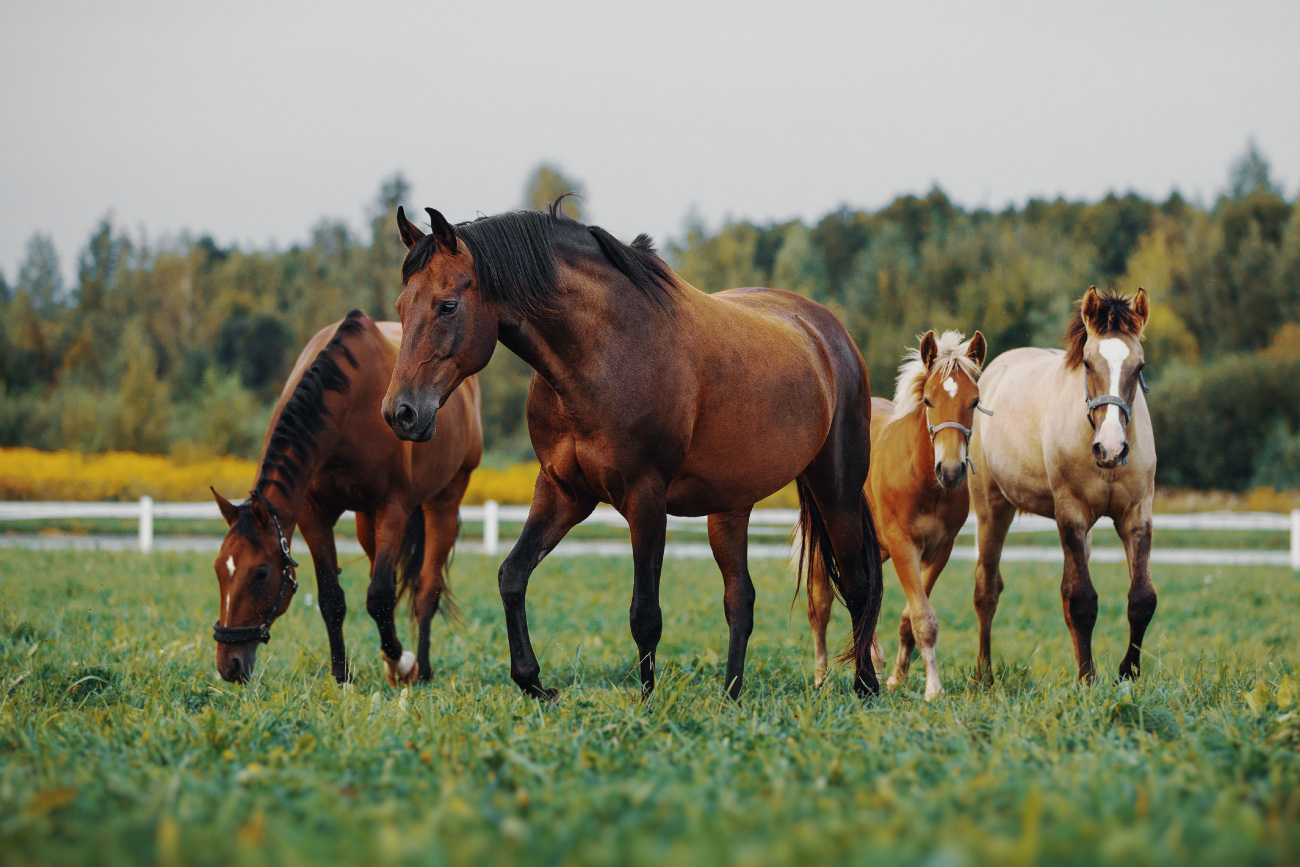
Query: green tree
[[1251, 173], [140, 417], [384, 259], [799, 266], [547, 183], [40, 276], [98, 266]]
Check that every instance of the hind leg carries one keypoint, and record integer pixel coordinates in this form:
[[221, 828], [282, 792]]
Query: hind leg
[[820, 599], [729, 539], [994, 515], [1135, 531], [441, 525]]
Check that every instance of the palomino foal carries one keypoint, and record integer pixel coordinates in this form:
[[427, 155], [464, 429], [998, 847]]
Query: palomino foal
[[916, 490], [1071, 441]]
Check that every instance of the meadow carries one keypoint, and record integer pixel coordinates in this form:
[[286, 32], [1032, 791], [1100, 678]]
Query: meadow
[[117, 743]]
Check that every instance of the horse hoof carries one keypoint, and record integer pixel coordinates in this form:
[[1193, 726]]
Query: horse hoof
[[403, 671], [932, 694], [894, 682], [542, 693]]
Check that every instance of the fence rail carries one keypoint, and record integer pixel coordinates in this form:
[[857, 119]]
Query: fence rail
[[763, 522]]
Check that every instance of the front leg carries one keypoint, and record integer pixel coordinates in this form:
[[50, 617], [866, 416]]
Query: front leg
[[646, 511], [381, 597], [1134, 531], [553, 514], [1078, 596], [318, 532]]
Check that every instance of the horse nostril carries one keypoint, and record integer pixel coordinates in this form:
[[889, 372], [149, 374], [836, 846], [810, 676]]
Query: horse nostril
[[405, 416], [1097, 451], [1123, 453]]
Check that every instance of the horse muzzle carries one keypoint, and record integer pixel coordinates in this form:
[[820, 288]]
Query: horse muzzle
[[409, 421], [1109, 458], [950, 475], [235, 661]]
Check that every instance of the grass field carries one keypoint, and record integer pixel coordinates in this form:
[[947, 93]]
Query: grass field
[[118, 745]]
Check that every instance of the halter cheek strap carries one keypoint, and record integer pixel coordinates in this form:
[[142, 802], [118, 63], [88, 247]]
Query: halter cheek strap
[[244, 634]]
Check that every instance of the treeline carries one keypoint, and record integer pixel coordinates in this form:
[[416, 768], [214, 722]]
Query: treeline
[[183, 346]]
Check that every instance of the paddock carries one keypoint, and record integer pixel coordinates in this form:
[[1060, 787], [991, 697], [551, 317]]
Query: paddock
[[117, 743]]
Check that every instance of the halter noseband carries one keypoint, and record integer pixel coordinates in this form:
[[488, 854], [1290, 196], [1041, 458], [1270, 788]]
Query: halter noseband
[[955, 425], [244, 634], [1111, 400]]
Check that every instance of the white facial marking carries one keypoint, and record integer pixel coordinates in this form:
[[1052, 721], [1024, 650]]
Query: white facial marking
[[938, 453], [1115, 351], [950, 386], [225, 605], [230, 566]]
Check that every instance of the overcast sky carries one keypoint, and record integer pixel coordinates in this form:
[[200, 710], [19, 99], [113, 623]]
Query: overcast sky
[[252, 121]]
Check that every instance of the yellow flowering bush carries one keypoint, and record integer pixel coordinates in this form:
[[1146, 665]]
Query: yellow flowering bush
[[29, 474]]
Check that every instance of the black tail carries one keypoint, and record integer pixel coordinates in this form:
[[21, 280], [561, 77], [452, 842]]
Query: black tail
[[817, 550], [411, 559], [411, 562]]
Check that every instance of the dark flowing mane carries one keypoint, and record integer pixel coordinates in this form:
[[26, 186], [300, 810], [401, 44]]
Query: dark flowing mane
[[1115, 314], [514, 257], [302, 420]]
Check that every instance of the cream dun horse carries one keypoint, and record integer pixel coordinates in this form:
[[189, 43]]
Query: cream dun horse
[[1071, 440]]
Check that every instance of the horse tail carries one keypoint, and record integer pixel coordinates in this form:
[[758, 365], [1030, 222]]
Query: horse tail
[[811, 551], [864, 632], [448, 607], [411, 558]]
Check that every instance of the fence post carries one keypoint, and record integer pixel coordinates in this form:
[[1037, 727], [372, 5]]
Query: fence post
[[1295, 539], [490, 528], [146, 524]]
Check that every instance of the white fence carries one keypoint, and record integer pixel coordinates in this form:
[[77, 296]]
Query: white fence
[[774, 524]]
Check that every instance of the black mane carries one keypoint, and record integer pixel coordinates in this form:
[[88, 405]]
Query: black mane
[[301, 421], [514, 257]]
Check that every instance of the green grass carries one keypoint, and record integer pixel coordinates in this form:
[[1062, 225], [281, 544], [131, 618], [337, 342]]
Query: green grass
[[118, 745]]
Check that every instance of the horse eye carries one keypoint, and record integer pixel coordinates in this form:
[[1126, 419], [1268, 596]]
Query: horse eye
[[260, 573], [927, 402], [447, 307]]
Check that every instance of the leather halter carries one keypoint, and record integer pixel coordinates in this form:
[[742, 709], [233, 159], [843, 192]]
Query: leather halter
[[1111, 400], [955, 425], [244, 634]]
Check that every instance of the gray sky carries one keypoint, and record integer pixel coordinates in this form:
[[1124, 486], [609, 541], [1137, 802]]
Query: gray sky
[[254, 120]]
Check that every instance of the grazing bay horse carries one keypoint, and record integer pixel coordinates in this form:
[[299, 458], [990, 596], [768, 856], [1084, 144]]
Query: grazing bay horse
[[328, 451], [1072, 441], [919, 445], [652, 396]]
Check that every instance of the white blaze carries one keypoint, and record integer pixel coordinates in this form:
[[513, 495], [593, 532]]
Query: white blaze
[[1115, 351], [230, 566], [950, 386]]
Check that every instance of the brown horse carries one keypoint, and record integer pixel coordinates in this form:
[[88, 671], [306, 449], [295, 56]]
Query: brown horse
[[328, 451], [915, 490], [1054, 449], [652, 396]]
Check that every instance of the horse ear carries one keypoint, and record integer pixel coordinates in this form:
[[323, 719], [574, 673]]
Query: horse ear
[[228, 509], [1142, 306], [929, 349], [261, 513], [1090, 307], [408, 230], [442, 230], [977, 349]]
